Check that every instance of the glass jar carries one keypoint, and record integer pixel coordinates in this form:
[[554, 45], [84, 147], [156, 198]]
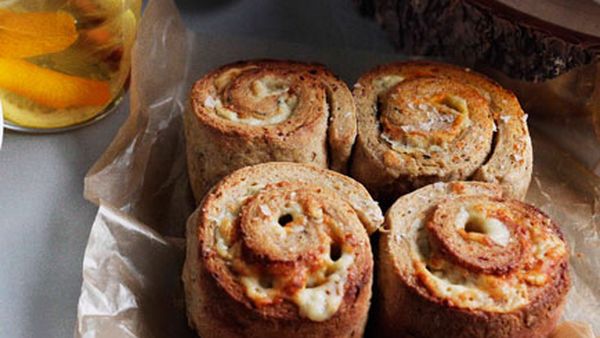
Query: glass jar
[[63, 63]]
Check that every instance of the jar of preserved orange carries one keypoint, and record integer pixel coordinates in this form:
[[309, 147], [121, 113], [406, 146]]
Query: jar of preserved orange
[[63, 63]]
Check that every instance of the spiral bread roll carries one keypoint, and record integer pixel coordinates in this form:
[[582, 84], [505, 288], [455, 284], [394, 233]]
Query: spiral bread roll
[[423, 122], [460, 260], [281, 250], [260, 111]]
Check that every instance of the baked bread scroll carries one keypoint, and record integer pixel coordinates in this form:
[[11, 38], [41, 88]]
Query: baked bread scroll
[[423, 122], [253, 112], [281, 250], [460, 260]]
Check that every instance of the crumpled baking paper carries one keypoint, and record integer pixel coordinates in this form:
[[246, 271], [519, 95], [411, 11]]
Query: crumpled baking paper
[[132, 264]]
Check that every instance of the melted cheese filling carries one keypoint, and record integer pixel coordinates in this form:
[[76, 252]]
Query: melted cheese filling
[[323, 291], [321, 302], [493, 228], [438, 120], [318, 302], [386, 82], [402, 147], [285, 109], [471, 290]]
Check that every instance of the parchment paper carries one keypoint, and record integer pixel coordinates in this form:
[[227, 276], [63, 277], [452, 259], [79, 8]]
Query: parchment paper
[[132, 264]]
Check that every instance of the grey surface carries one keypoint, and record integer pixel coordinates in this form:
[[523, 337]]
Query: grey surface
[[45, 221], [45, 224]]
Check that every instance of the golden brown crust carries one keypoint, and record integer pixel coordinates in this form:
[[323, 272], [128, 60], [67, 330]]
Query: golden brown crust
[[478, 255], [409, 305], [259, 111], [424, 122], [280, 225]]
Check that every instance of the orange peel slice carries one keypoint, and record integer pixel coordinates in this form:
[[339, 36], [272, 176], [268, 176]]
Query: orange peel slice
[[24, 35], [50, 88]]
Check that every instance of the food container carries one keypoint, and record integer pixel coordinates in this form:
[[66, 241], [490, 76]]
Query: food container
[[64, 63]]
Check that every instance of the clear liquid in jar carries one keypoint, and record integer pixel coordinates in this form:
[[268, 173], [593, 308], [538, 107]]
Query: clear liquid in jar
[[73, 82]]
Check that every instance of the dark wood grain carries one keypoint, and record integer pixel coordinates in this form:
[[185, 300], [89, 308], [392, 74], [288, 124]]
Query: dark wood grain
[[521, 38]]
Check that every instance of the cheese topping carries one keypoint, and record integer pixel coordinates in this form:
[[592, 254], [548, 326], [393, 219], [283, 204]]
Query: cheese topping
[[473, 290], [227, 76], [284, 111], [493, 228], [321, 302], [426, 127], [257, 101], [317, 290], [386, 82], [435, 125]]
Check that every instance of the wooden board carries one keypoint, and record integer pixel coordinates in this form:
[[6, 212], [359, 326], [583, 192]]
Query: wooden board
[[577, 15], [526, 39]]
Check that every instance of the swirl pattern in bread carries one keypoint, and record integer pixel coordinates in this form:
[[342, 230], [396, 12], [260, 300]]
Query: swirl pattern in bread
[[260, 111], [281, 249], [424, 122], [460, 260]]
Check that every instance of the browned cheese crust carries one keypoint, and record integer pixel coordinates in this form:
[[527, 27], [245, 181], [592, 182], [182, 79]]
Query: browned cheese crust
[[423, 122], [281, 250], [260, 111], [460, 260]]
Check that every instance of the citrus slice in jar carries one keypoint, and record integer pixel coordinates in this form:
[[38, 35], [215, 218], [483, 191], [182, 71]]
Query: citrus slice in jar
[[24, 35], [46, 99], [34, 96]]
